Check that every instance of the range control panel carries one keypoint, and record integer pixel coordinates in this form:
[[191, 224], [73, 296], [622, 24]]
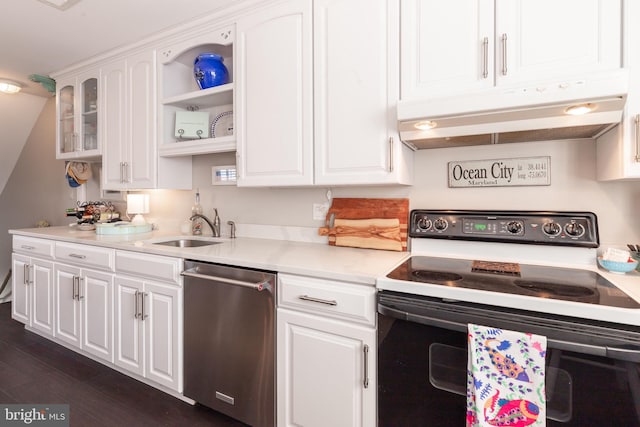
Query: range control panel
[[549, 228]]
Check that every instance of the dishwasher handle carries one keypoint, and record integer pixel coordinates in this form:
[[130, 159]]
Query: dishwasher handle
[[258, 286]]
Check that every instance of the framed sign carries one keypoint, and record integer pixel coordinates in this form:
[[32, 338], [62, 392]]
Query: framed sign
[[523, 171]]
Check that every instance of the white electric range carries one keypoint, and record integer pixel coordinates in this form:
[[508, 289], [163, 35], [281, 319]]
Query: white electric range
[[540, 261], [533, 272]]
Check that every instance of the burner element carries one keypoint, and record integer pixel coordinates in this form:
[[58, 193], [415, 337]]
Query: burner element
[[435, 276], [545, 290]]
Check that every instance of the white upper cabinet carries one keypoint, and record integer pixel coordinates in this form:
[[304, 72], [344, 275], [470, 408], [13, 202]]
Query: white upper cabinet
[[315, 99], [618, 151], [355, 91], [128, 105], [541, 39], [275, 96], [456, 47], [77, 116], [446, 47], [129, 122]]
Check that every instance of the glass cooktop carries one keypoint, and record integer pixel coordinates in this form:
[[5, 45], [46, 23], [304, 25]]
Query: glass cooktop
[[529, 280]]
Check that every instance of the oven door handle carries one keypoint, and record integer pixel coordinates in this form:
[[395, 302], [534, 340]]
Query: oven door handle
[[629, 354]]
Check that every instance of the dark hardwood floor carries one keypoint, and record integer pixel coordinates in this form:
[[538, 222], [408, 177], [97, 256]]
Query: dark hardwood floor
[[36, 370]]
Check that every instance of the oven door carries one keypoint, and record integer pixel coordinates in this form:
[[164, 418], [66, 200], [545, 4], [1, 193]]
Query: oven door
[[591, 368]]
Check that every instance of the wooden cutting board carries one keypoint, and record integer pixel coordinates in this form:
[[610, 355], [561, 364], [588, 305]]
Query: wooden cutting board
[[367, 223]]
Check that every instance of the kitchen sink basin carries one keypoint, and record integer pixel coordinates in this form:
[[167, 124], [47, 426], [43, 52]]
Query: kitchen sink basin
[[187, 243]]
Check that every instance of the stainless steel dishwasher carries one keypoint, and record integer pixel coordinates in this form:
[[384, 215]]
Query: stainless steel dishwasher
[[229, 340]]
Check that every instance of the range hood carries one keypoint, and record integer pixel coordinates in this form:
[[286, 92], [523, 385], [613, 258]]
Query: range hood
[[520, 114]]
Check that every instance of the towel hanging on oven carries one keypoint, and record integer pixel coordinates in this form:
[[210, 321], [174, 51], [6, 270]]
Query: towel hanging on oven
[[505, 378]]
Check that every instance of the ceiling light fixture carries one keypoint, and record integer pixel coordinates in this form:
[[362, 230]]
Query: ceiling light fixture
[[580, 109], [60, 4], [9, 86], [425, 125]]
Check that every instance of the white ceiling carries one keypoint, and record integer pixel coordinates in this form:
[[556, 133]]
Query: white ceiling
[[39, 39]]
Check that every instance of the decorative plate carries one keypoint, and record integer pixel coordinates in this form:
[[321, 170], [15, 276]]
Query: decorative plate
[[222, 125]]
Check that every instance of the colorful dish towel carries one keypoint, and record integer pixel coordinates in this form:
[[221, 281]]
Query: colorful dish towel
[[505, 378]]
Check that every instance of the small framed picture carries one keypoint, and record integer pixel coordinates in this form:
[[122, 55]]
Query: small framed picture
[[192, 125]]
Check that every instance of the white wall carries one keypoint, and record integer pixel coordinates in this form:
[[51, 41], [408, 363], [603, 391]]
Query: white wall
[[19, 113], [36, 188], [573, 187]]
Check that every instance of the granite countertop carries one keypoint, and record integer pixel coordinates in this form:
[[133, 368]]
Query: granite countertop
[[310, 259]]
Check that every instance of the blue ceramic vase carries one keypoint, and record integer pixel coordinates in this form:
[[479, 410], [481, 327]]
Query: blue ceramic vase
[[209, 70]]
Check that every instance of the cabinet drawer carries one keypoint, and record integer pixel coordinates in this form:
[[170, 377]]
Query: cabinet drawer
[[32, 246], [149, 266], [328, 298], [85, 255]]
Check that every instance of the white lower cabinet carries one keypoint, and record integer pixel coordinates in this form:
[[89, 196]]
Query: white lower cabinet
[[122, 308], [83, 308], [148, 317], [326, 366], [32, 283], [32, 294]]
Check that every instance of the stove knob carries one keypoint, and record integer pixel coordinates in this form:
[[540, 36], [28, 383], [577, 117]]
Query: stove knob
[[440, 224], [573, 229], [514, 227], [551, 228], [423, 223]]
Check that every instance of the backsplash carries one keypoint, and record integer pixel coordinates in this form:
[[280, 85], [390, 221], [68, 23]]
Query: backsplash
[[573, 187]]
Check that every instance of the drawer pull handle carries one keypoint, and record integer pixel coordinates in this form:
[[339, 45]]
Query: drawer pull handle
[[318, 300], [78, 256], [27, 247]]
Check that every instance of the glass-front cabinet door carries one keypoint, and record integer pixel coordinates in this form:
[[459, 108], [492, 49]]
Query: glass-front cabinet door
[[77, 111], [89, 114], [66, 127]]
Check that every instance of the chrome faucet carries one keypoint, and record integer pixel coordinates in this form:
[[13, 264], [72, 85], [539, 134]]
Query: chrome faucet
[[215, 225]]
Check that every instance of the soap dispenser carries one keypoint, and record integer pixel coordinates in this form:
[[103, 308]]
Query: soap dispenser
[[196, 223]]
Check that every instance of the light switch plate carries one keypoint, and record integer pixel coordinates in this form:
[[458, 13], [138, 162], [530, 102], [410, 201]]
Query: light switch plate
[[223, 175]]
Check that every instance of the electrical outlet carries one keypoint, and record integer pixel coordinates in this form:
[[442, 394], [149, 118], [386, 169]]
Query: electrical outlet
[[320, 211]]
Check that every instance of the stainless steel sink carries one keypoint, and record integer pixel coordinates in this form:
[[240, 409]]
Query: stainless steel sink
[[187, 243]]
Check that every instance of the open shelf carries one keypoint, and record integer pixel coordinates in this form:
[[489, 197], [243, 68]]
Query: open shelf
[[180, 93], [198, 146]]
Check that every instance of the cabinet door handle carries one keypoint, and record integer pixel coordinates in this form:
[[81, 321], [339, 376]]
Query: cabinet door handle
[[136, 312], [485, 57], [78, 256], [390, 154], [28, 248], [26, 274], [318, 300], [365, 353], [504, 54], [126, 172], [637, 123], [143, 314], [75, 283], [80, 292]]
